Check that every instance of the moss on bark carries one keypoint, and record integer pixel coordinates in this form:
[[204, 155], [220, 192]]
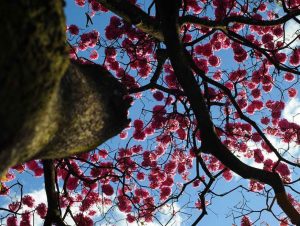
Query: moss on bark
[[33, 59], [50, 108]]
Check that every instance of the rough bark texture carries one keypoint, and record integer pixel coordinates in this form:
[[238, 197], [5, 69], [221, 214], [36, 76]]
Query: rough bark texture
[[41, 114], [53, 211], [134, 16], [32, 61], [91, 110]]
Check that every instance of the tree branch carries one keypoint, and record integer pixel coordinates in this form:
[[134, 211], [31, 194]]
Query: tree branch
[[237, 19], [53, 212], [51, 108], [210, 140], [135, 16]]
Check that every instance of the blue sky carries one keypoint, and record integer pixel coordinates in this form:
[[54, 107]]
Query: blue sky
[[219, 211]]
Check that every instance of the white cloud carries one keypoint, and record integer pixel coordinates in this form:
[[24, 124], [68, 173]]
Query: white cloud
[[291, 111], [39, 196], [291, 29], [164, 217], [119, 219]]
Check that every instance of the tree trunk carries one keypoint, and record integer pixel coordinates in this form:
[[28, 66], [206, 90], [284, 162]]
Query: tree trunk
[[50, 108]]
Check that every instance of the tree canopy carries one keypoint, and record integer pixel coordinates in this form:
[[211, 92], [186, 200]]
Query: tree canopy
[[215, 112]]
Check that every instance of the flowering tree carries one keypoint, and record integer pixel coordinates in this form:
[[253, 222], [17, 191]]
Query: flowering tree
[[209, 81]]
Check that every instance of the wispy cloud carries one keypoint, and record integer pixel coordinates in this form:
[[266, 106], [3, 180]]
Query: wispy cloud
[[165, 217], [292, 29], [291, 111], [40, 197]]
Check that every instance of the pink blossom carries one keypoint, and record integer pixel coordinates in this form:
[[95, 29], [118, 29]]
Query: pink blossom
[[83, 220], [170, 167], [292, 92], [139, 135], [165, 193], [229, 85], [245, 221], [144, 71], [149, 130], [268, 164], [171, 81], [284, 124], [130, 218], [159, 96], [94, 55], [169, 181], [284, 222], [283, 169], [181, 168], [278, 31], [267, 38], [25, 219], [123, 204], [20, 168], [182, 135], [103, 153], [72, 183], [12, 221], [289, 77], [214, 61], [73, 29], [206, 50], [172, 125], [281, 57], [256, 93], [28, 201], [258, 156], [32, 165], [42, 210], [217, 75], [295, 58], [199, 205], [265, 120], [256, 137], [80, 2], [140, 176], [110, 52], [14, 206], [107, 189], [196, 183], [138, 124], [267, 88], [202, 64], [262, 7], [123, 135], [227, 174], [255, 186]]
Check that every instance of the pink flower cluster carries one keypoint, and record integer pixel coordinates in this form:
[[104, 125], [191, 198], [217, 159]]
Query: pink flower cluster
[[88, 40], [34, 166]]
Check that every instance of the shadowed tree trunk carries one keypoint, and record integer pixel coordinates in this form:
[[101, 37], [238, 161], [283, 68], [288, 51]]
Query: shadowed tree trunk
[[49, 107]]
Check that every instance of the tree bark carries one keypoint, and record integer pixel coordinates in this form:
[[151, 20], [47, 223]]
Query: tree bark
[[50, 108]]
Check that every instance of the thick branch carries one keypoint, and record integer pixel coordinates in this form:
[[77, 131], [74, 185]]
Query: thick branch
[[135, 16], [236, 106], [210, 140], [237, 19], [53, 212], [50, 108]]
